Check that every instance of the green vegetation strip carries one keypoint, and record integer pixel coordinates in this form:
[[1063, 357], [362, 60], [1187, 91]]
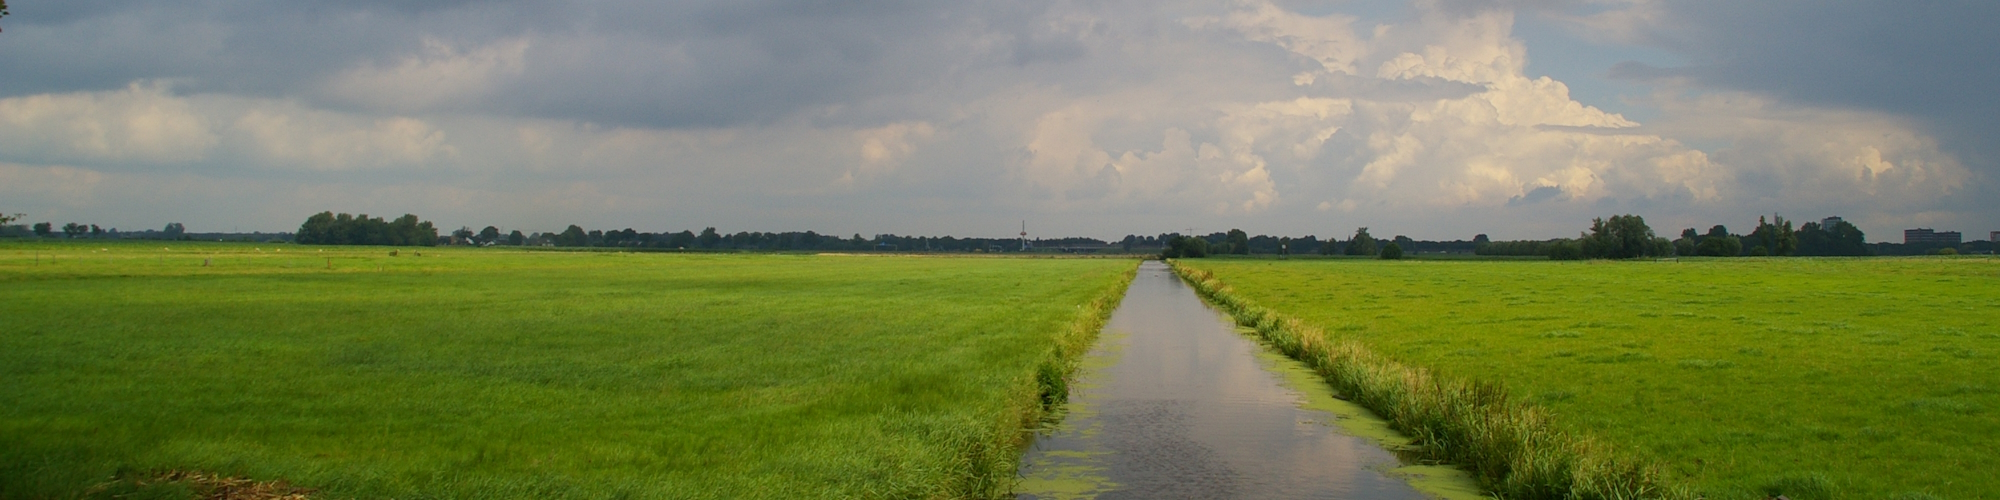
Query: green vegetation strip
[[462, 373], [1811, 378], [1512, 448]]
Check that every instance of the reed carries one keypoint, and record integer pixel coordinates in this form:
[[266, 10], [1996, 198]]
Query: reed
[[1512, 447]]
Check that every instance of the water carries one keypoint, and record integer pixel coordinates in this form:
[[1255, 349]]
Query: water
[[1175, 403]]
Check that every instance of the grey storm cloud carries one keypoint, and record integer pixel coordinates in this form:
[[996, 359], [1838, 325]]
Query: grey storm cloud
[[660, 64], [1929, 61], [1114, 115]]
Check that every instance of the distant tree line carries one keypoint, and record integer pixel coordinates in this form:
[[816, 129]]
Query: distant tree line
[[1623, 236], [712, 239], [78, 230], [1627, 236]]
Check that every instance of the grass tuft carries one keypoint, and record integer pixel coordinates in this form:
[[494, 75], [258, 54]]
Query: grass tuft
[[1512, 447], [1706, 364], [1807, 486]]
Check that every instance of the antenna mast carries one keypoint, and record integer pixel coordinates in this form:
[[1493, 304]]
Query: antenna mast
[[1024, 235]]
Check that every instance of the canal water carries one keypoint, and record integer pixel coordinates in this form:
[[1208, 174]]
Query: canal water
[[1175, 402]]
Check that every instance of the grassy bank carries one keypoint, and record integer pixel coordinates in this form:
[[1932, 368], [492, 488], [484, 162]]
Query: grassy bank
[[1745, 378], [1511, 447], [493, 374]]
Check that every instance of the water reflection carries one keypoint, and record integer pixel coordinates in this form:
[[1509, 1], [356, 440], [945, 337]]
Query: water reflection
[[1174, 403]]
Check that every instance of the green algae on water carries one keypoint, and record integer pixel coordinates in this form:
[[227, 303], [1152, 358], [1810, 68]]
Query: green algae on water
[[1438, 481]]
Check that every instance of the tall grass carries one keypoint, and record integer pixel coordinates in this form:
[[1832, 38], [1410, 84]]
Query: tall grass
[[1036, 397], [1512, 447]]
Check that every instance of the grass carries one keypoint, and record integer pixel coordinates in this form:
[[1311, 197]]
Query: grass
[[1744, 378], [498, 374], [1511, 447]]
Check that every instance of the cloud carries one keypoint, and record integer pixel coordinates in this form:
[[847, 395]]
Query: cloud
[[442, 76], [1536, 195], [1102, 116], [141, 124], [1876, 56], [147, 126]]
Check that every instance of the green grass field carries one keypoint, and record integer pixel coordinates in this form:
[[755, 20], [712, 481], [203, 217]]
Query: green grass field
[[1813, 378], [506, 374]]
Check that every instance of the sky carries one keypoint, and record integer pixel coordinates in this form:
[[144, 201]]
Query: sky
[[1436, 119]]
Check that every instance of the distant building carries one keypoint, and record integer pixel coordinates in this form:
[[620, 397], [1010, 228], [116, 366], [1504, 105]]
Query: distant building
[[1995, 237], [1929, 237], [1829, 223]]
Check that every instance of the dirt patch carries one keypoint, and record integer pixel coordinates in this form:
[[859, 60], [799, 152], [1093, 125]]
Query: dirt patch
[[201, 485]]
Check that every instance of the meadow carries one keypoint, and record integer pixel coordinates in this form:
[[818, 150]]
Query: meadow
[[1814, 378], [483, 373]]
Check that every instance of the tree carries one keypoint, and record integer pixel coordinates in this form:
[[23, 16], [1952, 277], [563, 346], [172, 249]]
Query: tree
[[1361, 243], [173, 231], [1687, 244], [327, 228], [682, 239], [1776, 237], [72, 230], [1720, 246], [1285, 245], [1392, 251], [1661, 247], [1239, 242], [1621, 237], [1565, 250], [572, 237], [44, 229], [406, 230], [9, 219], [95, 231], [1185, 247], [490, 235], [709, 239], [318, 230], [516, 238], [1843, 239], [1523, 247]]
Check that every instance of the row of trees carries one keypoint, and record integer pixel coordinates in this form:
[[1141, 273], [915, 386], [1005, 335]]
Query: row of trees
[[75, 230], [1627, 236], [1618, 237], [712, 239], [327, 228], [1237, 242]]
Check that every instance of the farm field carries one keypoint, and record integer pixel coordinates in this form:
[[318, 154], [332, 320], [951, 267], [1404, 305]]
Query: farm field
[[484, 373], [1874, 378]]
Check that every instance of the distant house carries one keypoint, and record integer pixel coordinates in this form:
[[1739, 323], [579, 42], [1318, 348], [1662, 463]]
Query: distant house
[[1994, 237], [1829, 223], [1921, 236]]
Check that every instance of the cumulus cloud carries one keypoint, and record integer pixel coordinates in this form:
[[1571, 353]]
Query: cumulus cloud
[[440, 76], [1107, 116], [141, 123], [1892, 58]]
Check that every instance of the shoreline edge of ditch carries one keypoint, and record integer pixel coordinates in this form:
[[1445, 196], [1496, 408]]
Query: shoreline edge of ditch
[[1512, 448]]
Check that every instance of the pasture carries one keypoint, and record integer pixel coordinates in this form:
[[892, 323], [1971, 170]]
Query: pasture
[[1832, 378], [485, 373]]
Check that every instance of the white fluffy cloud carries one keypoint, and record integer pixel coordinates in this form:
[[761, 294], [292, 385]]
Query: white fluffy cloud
[[1105, 117], [140, 123]]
